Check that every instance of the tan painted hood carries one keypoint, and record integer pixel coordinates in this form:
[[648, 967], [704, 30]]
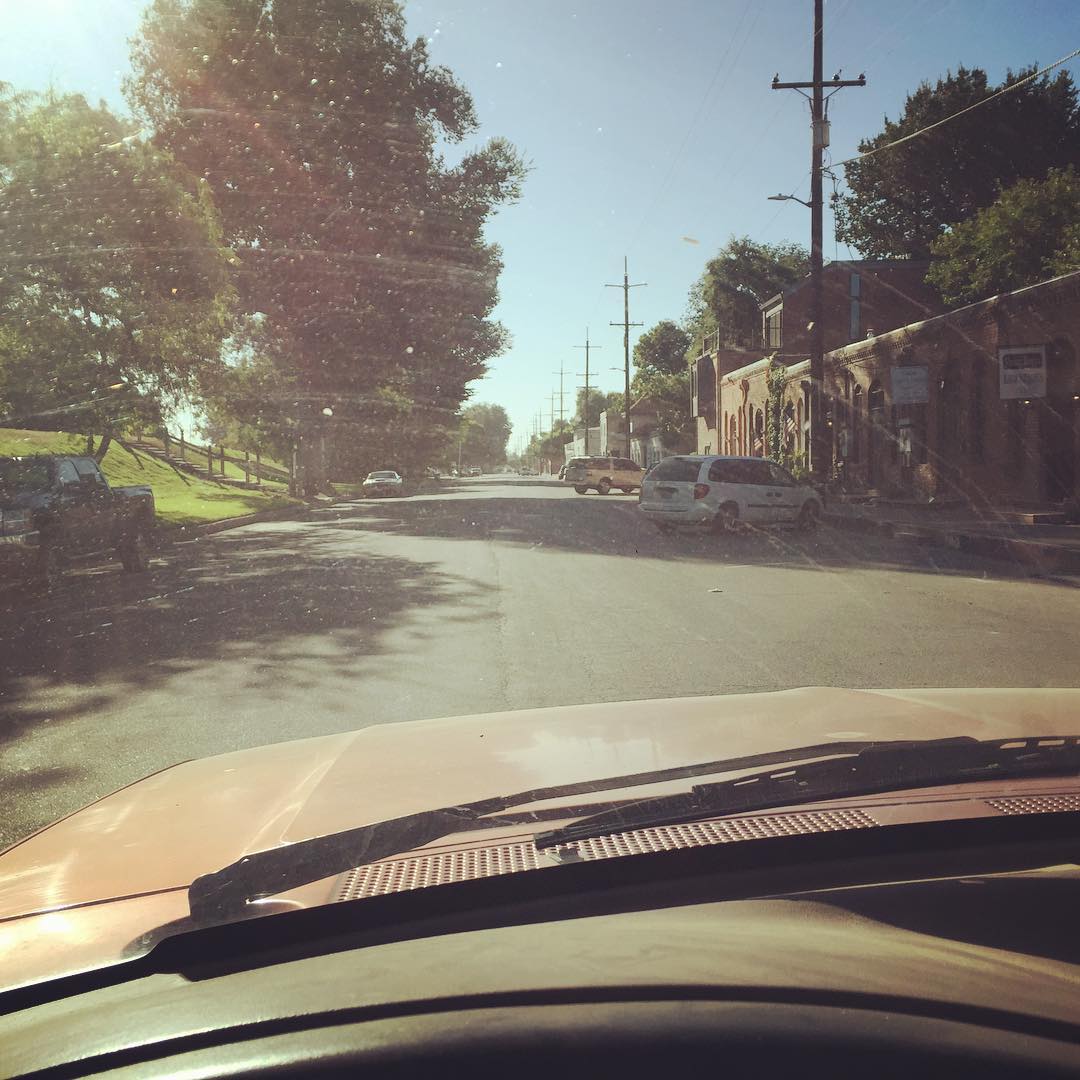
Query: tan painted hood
[[73, 894]]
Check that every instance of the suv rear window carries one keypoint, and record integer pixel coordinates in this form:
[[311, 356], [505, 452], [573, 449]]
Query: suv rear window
[[741, 471], [677, 468]]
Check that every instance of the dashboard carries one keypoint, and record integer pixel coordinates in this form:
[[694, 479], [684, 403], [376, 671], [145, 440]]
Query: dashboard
[[952, 976]]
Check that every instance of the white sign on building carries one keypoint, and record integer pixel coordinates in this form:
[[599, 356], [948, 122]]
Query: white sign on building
[[1022, 371], [911, 385]]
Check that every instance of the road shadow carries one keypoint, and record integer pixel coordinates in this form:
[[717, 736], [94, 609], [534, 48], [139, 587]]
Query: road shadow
[[299, 608], [613, 525]]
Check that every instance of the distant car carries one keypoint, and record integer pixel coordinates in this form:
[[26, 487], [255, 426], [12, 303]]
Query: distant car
[[526, 471], [720, 492], [432, 473], [383, 482], [562, 472], [474, 470], [602, 474]]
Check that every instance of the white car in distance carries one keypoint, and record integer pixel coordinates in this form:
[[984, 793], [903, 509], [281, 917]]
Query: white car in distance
[[709, 490], [383, 482]]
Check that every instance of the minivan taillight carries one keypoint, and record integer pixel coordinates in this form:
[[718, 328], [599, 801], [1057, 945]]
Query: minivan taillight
[[701, 490]]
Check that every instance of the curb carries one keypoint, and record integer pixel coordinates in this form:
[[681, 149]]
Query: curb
[[205, 528], [1032, 553]]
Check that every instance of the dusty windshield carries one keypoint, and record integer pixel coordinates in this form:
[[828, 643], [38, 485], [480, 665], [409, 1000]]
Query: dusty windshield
[[254, 251]]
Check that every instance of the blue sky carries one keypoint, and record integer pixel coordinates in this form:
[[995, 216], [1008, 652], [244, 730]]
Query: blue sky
[[648, 125]]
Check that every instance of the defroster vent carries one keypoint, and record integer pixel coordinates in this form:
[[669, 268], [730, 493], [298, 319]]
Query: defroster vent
[[441, 868]]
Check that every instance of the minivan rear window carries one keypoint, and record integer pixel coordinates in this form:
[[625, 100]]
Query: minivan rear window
[[679, 469]]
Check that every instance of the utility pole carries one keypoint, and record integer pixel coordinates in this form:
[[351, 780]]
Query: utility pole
[[819, 447], [587, 346], [626, 324], [561, 372]]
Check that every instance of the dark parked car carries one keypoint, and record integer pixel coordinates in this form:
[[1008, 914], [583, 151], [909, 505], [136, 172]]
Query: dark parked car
[[54, 508]]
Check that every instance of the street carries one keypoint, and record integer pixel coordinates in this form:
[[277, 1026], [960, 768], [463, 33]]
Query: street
[[496, 593]]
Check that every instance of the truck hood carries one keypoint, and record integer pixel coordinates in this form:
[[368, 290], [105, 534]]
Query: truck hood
[[75, 894]]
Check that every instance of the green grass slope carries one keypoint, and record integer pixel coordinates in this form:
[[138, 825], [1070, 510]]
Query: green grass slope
[[180, 499]]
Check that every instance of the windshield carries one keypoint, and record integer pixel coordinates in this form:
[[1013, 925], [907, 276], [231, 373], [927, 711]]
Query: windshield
[[734, 406], [20, 475]]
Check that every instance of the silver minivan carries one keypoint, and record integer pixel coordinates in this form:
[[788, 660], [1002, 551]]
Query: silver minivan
[[710, 490]]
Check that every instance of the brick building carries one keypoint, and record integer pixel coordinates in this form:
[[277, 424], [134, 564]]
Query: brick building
[[860, 297], [981, 403]]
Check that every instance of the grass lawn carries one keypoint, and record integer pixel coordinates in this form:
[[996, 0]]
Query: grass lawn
[[180, 499]]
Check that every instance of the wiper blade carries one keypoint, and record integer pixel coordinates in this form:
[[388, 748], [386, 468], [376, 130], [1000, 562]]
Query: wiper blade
[[226, 894], [873, 770]]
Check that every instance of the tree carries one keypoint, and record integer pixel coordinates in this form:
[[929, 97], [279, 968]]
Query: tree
[[1028, 234], [598, 403], [316, 125], [742, 275], [114, 284], [484, 433], [900, 200], [662, 349]]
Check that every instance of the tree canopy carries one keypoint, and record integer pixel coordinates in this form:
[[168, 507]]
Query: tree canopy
[[662, 349], [115, 286], [315, 127], [1028, 234], [901, 200], [484, 432], [742, 275]]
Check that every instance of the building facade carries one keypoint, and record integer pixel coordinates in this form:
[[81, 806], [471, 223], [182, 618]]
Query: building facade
[[980, 404]]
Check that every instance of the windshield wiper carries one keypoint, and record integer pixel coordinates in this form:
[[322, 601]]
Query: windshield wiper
[[226, 894], [873, 770]]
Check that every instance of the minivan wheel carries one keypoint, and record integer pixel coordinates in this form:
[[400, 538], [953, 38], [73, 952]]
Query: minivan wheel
[[726, 518], [604, 487], [809, 516], [581, 490]]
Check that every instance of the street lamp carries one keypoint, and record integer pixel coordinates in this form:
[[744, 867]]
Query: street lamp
[[789, 198]]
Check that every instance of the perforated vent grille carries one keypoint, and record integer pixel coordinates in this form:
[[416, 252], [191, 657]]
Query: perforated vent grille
[[1036, 804], [422, 871]]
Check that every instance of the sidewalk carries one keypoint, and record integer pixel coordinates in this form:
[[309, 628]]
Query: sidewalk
[[1016, 537]]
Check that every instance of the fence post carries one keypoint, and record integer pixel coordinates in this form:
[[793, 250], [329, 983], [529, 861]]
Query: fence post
[[183, 451], [221, 458], [247, 467], [210, 458], [258, 473], [165, 441]]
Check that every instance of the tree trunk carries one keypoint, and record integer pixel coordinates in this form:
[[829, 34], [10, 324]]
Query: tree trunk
[[313, 473], [103, 446]]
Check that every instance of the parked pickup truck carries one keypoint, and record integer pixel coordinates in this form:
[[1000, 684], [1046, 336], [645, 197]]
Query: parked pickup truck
[[54, 508]]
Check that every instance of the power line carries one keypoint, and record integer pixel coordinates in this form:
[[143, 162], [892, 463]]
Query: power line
[[963, 112]]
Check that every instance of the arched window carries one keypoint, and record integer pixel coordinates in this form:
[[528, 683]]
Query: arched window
[[856, 424], [759, 433], [790, 432], [875, 416]]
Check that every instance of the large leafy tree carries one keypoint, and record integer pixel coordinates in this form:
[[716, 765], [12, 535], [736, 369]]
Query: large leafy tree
[[599, 401], [900, 200], [662, 349], [115, 289], [742, 275], [316, 126], [1031, 232], [483, 432]]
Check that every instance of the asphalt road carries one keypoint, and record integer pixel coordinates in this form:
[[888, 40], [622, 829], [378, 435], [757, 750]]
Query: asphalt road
[[498, 593]]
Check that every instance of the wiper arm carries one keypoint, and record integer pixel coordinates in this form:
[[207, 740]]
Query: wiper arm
[[873, 770], [225, 894]]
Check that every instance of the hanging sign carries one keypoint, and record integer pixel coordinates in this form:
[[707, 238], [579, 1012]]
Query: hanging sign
[[1022, 371], [911, 384]]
